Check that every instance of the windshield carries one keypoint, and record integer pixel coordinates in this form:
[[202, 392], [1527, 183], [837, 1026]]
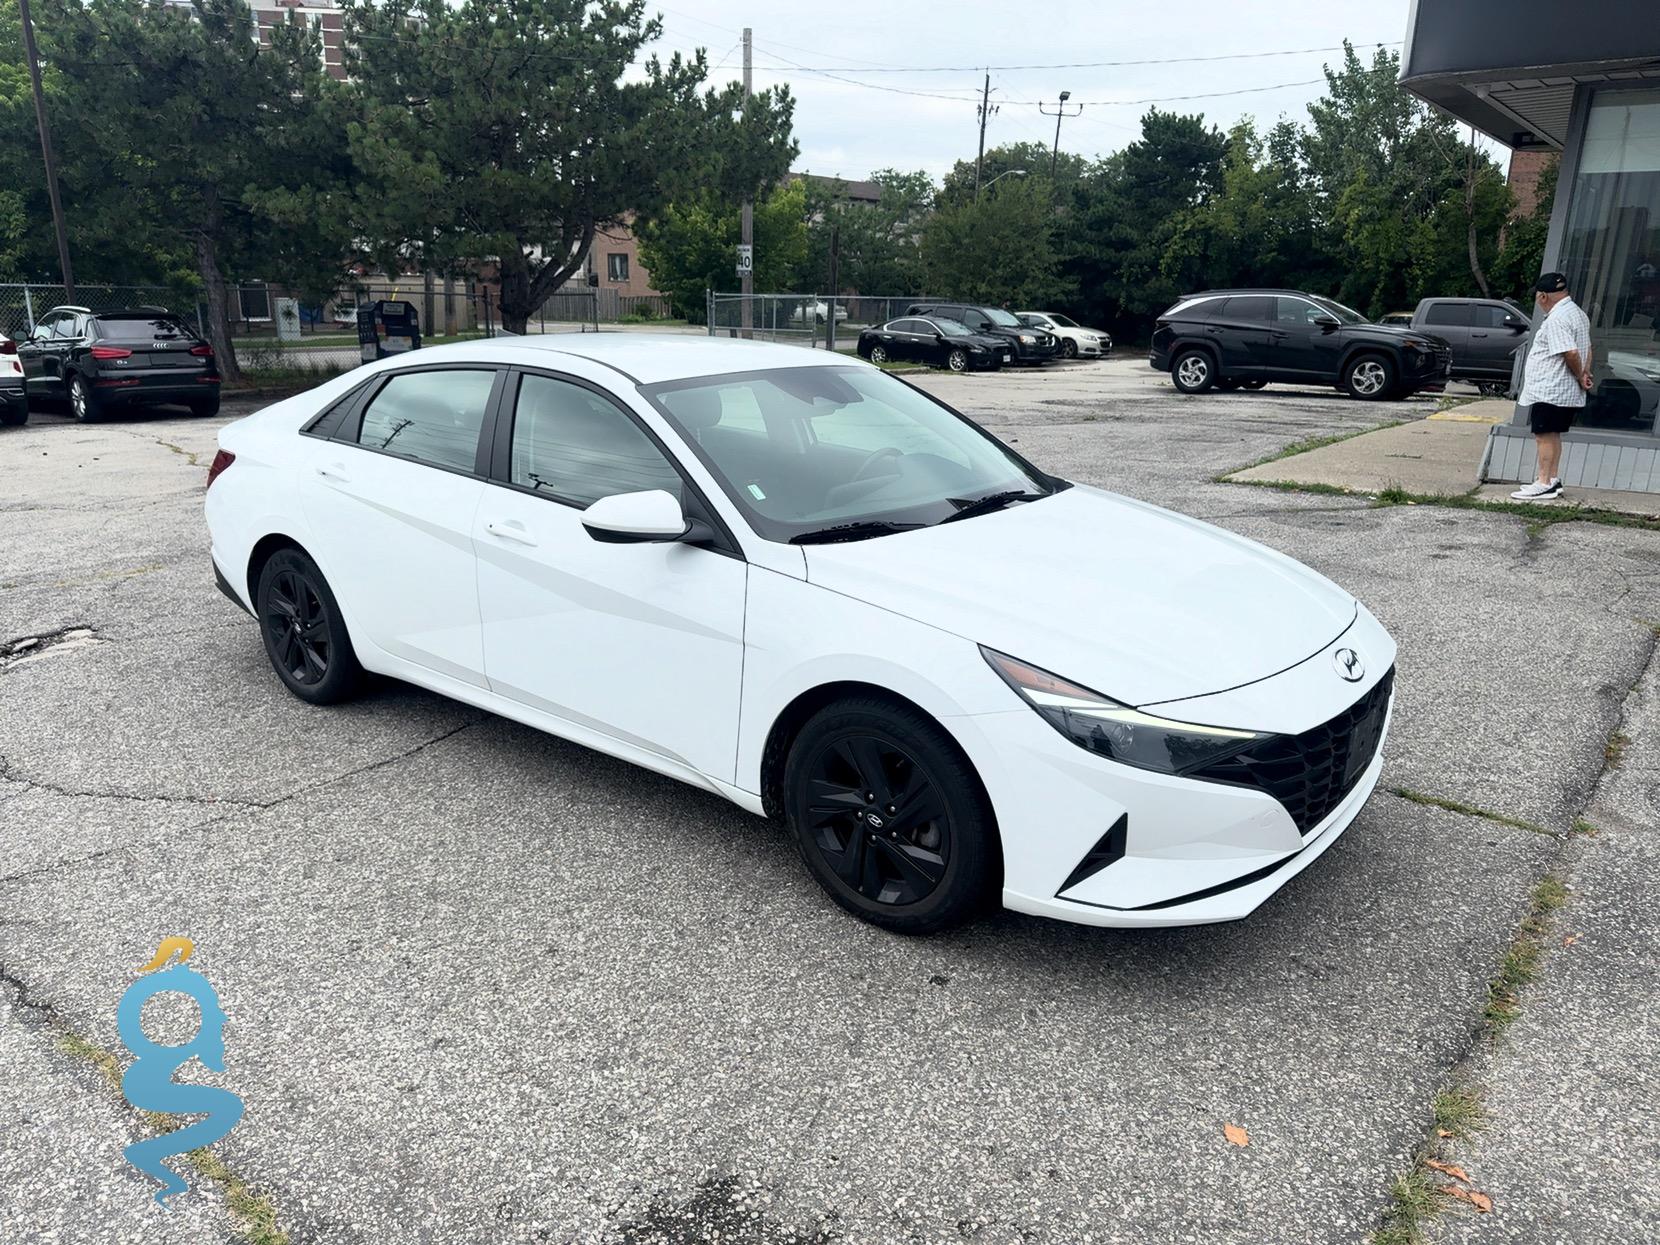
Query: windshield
[[1064, 321], [1346, 314], [998, 316], [804, 449]]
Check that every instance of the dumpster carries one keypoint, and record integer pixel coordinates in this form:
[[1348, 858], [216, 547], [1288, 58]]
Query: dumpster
[[387, 327]]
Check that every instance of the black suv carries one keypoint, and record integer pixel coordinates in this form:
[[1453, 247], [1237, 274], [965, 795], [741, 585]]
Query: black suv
[[1245, 338], [1029, 345], [99, 360]]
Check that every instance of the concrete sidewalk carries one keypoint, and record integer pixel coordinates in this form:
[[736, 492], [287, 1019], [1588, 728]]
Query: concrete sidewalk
[[1436, 456]]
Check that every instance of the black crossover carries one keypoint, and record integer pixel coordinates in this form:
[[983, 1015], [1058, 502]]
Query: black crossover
[[1235, 339], [1027, 344], [97, 361], [935, 340]]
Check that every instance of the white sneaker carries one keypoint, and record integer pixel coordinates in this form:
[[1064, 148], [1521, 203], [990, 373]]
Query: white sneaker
[[1534, 491]]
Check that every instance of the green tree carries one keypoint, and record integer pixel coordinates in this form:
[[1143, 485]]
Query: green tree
[[879, 243], [177, 130], [690, 246], [997, 250], [514, 130], [958, 187]]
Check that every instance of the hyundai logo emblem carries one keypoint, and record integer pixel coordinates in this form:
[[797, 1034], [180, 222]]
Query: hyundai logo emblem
[[1348, 665], [874, 820]]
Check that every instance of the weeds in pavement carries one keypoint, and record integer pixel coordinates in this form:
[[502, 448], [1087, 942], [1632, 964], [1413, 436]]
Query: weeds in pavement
[[1582, 827], [1613, 752], [1412, 1203], [1521, 962], [1469, 810], [1458, 1113], [1303, 447]]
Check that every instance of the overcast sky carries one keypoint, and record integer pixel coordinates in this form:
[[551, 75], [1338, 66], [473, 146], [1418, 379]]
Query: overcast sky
[[847, 127]]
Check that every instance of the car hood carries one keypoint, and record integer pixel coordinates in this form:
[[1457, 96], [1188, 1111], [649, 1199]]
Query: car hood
[[1135, 602]]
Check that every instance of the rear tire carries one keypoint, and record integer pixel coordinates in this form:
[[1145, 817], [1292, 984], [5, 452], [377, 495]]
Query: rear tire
[[83, 403], [878, 354], [1227, 384], [1369, 377], [1193, 372], [204, 406], [890, 817], [13, 418], [304, 631], [1253, 384]]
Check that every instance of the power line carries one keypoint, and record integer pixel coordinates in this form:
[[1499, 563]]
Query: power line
[[1162, 60]]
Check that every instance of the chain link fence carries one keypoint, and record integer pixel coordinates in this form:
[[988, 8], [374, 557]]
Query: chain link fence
[[818, 320]]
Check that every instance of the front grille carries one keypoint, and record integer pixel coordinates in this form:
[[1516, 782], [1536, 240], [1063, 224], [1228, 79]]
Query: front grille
[[1311, 773]]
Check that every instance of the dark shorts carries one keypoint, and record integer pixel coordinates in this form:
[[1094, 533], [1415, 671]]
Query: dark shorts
[[1548, 417]]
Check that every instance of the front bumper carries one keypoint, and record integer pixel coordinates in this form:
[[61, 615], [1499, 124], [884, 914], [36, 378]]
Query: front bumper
[[1189, 851]]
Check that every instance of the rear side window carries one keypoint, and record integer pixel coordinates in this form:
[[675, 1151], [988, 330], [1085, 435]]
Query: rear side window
[[908, 326], [1448, 315], [432, 417], [1249, 307], [573, 445], [164, 327]]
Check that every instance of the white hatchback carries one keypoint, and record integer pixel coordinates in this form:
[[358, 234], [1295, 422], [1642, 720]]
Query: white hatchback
[[795, 580]]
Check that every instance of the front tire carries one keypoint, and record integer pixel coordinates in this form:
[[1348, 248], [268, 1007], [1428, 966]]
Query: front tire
[[890, 817], [1069, 348], [1369, 377], [1193, 372], [304, 631], [957, 360]]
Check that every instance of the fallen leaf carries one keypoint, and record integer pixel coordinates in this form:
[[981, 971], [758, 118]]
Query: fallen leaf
[[1237, 1135], [1442, 1132], [1480, 1201], [1570, 940], [1457, 1173]]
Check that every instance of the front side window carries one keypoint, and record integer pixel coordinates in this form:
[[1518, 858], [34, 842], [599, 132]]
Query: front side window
[[1345, 315], [802, 450], [576, 447], [616, 265], [431, 417], [1294, 311]]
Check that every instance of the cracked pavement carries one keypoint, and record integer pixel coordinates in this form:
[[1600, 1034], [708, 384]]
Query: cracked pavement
[[485, 985]]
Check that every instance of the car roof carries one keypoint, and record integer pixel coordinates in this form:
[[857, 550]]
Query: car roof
[[1259, 290], [647, 358]]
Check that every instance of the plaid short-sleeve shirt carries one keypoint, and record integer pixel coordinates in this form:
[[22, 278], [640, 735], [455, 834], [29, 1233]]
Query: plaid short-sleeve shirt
[[1547, 378]]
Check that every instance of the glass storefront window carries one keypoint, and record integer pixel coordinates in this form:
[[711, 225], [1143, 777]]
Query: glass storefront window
[[1611, 256]]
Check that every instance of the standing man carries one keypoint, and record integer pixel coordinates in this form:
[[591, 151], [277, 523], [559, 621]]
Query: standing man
[[1557, 378]]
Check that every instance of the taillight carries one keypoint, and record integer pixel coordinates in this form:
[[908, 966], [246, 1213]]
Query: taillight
[[221, 460], [110, 352], [204, 351], [8, 346]]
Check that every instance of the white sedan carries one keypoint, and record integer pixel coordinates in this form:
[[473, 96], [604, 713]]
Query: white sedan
[[1076, 340], [792, 579]]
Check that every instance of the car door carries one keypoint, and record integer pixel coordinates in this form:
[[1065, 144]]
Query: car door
[[902, 344], [1239, 329], [391, 500], [1300, 347], [1493, 338], [1449, 320], [42, 352], [642, 642], [925, 344]]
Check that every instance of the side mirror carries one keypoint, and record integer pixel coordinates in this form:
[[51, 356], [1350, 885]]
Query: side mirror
[[636, 518], [1326, 322], [1514, 323]]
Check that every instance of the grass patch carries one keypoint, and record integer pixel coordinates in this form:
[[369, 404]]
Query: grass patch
[[1454, 402], [1303, 447], [1458, 1112], [1470, 810], [1413, 1202], [1582, 828], [1613, 752], [1538, 516], [255, 1213], [1521, 962]]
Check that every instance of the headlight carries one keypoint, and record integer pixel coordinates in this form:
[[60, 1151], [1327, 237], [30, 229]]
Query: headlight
[[1118, 731], [1027, 338]]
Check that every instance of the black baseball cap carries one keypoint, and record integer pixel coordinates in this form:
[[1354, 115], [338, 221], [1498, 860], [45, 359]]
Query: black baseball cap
[[1550, 283]]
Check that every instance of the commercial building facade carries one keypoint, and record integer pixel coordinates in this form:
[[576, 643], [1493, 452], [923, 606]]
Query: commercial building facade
[[1581, 79]]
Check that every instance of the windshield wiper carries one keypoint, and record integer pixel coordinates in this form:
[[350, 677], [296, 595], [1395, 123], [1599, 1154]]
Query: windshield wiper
[[862, 530], [967, 509]]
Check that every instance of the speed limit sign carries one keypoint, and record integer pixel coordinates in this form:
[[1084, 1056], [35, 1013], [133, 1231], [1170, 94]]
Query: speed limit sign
[[746, 260]]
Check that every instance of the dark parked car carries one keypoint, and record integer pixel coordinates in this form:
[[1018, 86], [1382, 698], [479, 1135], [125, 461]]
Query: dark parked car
[[933, 339], [1483, 334], [1027, 345], [97, 361], [1235, 338]]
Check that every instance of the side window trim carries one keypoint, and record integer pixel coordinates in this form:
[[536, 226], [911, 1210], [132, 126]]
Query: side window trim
[[326, 424], [351, 425], [499, 469]]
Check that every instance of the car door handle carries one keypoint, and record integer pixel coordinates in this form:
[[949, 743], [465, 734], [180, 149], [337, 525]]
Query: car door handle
[[334, 471], [510, 529]]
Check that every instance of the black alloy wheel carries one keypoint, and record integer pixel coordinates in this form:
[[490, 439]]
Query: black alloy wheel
[[305, 636], [889, 817]]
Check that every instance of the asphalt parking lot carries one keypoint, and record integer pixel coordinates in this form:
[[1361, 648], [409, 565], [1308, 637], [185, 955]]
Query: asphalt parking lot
[[485, 985]]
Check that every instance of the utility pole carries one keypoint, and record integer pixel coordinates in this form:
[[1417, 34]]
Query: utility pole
[[985, 114], [1059, 112], [748, 287], [46, 153]]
